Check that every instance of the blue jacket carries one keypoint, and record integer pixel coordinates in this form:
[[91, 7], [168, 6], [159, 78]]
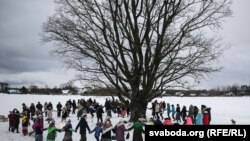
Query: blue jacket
[[97, 130], [198, 120]]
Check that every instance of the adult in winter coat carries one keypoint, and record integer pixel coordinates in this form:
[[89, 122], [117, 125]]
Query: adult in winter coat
[[16, 117], [32, 110], [74, 107], [183, 113], [168, 110], [188, 120], [39, 106], [178, 113], [209, 114], [38, 129], [198, 120], [99, 112], [59, 109], [196, 110], [138, 130], [108, 107], [107, 128], [45, 108], [206, 118], [80, 112], [173, 111], [83, 124], [120, 130], [191, 110], [68, 131], [64, 114]]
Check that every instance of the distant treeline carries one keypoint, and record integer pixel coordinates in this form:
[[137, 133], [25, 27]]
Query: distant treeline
[[235, 90]]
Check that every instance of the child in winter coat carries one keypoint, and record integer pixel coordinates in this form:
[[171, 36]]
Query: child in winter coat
[[25, 123], [52, 131], [97, 130], [11, 121]]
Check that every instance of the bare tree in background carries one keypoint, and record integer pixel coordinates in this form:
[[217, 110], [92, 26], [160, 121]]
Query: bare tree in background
[[140, 47]]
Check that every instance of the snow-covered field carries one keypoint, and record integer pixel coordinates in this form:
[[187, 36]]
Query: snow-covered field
[[223, 110]]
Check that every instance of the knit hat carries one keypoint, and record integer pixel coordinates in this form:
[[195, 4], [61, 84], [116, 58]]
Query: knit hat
[[52, 121]]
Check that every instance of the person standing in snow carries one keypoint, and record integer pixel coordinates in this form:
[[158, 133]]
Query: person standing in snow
[[107, 128], [45, 108], [183, 113], [178, 113], [198, 120], [68, 131], [97, 130], [138, 130], [52, 131], [99, 112], [74, 107], [120, 130], [39, 107], [38, 129], [11, 121], [25, 123], [173, 111], [205, 118], [59, 109], [168, 110], [64, 114], [32, 111], [16, 117], [83, 124]]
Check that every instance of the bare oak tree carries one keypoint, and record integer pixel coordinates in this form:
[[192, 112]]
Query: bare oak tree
[[140, 47]]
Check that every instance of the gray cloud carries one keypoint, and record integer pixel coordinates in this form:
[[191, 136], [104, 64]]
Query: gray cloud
[[235, 60], [24, 60], [20, 25]]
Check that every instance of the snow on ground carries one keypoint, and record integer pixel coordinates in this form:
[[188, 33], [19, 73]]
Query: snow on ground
[[223, 110]]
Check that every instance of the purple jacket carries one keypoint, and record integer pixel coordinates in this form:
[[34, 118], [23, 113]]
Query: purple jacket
[[120, 130]]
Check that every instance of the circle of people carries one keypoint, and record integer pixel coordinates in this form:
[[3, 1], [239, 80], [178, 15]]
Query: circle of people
[[105, 129]]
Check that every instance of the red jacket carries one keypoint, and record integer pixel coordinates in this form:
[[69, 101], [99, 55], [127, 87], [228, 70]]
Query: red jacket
[[167, 122], [188, 121], [205, 119], [11, 119]]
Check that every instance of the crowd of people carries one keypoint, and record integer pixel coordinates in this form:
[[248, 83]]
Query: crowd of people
[[36, 115], [177, 115]]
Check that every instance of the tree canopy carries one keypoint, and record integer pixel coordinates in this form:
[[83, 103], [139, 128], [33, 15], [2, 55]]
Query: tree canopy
[[140, 47]]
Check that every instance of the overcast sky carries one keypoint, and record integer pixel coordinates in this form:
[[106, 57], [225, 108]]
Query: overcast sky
[[24, 60]]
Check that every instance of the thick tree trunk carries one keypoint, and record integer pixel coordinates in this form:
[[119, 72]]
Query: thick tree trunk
[[138, 110]]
